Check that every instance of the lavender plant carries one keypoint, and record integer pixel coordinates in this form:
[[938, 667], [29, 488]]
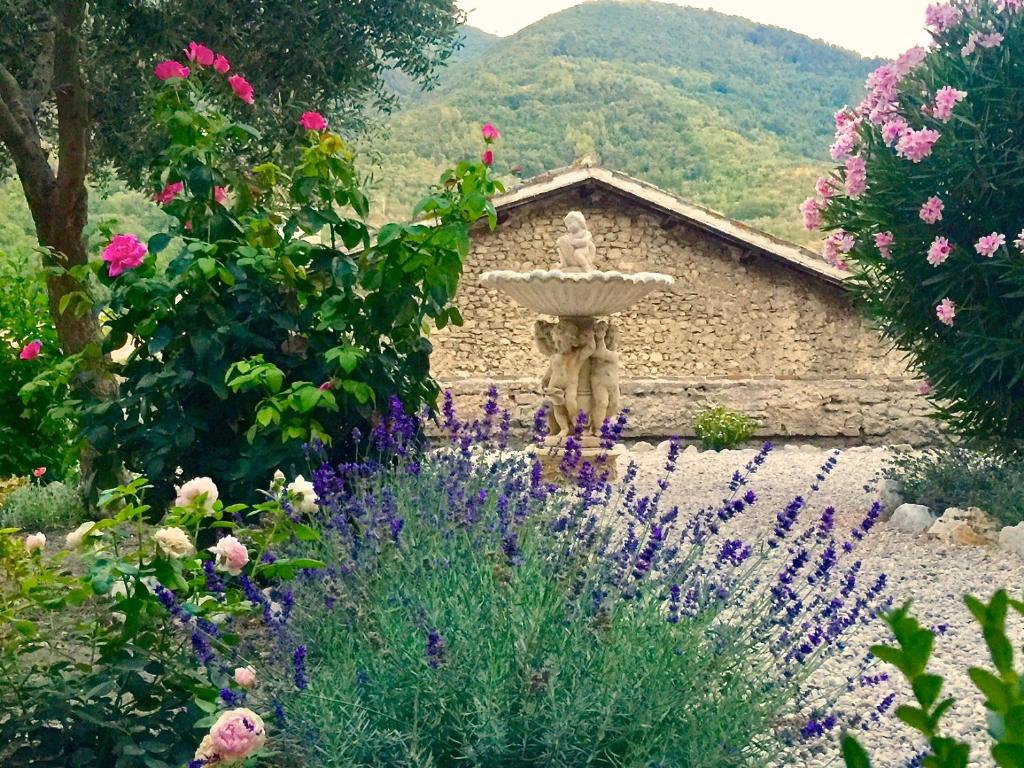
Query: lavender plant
[[472, 613]]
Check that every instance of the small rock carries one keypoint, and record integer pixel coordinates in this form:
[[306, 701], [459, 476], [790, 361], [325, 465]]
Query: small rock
[[890, 493], [691, 450], [969, 527], [1011, 538], [810, 448], [789, 447], [912, 518], [664, 445], [642, 447]]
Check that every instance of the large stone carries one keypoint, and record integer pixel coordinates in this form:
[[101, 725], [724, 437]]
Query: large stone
[[912, 518], [642, 447], [1011, 538], [969, 527]]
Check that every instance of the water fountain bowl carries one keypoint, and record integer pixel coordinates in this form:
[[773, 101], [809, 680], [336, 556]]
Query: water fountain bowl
[[559, 293]]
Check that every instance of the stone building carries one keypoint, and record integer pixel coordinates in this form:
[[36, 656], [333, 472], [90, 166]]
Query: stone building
[[752, 322]]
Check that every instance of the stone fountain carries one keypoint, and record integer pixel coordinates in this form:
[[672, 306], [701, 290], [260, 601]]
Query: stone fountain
[[582, 375]]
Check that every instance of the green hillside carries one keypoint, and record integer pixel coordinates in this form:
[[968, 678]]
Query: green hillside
[[730, 113]]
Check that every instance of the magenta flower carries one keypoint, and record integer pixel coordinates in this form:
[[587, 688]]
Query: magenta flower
[[491, 134], [941, 17], [811, 210], [825, 188], [989, 244], [221, 64], [883, 242], [945, 100], [931, 211], [167, 70], [220, 194], [846, 135], [242, 88], [946, 312], [939, 251], [124, 252], [31, 350], [200, 54], [856, 176], [488, 158], [836, 244], [917, 145], [168, 193], [313, 121]]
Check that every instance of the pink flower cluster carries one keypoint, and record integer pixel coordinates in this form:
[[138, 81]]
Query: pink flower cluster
[[811, 210], [931, 211], [945, 100], [856, 176], [917, 145], [879, 106], [825, 187], [846, 135], [202, 56], [168, 193], [941, 17], [910, 60], [893, 130], [124, 252], [946, 312], [836, 245], [313, 121], [989, 244], [939, 251], [976, 39], [883, 242]]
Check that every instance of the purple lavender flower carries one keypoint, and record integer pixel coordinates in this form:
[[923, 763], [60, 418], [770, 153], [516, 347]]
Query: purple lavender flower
[[435, 649], [299, 663]]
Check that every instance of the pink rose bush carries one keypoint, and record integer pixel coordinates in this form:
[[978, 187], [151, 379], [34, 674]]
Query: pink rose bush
[[922, 203], [124, 252]]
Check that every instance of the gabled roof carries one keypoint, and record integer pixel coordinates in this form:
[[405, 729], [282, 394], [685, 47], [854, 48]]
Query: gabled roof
[[646, 195]]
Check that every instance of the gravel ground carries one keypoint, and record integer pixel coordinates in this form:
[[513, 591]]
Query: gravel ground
[[931, 574]]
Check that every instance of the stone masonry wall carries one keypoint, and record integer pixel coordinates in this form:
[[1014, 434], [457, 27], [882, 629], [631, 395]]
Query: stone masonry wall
[[748, 333]]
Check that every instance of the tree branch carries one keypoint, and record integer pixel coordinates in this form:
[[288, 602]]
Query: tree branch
[[19, 134]]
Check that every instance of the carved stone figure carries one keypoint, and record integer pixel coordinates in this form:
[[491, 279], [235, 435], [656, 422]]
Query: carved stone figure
[[568, 345], [604, 375], [576, 249]]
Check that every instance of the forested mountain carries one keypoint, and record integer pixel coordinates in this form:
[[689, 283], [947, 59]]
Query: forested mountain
[[731, 113]]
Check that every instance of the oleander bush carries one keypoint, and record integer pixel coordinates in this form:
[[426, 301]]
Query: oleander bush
[[927, 207], [720, 428]]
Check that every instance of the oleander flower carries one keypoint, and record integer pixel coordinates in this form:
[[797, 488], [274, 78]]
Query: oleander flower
[[174, 542], [302, 491], [313, 121], [989, 244], [168, 193], [941, 17], [893, 130], [230, 555], [221, 64], [917, 145], [931, 211], [200, 54], [31, 350], [939, 251], [811, 211], [75, 539], [123, 253], [945, 100], [883, 242], [35, 541], [856, 176], [245, 677], [242, 88], [1019, 242], [166, 70], [946, 311], [237, 734], [195, 488], [825, 187]]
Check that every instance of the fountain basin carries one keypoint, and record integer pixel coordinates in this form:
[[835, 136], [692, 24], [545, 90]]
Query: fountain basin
[[576, 294]]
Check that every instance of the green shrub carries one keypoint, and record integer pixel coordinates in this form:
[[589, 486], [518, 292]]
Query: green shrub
[[44, 507], [959, 476], [719, 428]]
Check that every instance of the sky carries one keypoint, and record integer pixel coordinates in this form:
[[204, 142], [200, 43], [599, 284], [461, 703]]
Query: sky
[[874, 28]]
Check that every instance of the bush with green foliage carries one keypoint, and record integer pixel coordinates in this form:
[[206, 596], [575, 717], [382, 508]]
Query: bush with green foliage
[[928, 207], [281, 320], [719, 428], [956, 475], [42, 506], [1001, 688]]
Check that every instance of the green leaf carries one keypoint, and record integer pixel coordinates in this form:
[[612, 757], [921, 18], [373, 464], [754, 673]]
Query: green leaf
[[158, 242], [915, 717], [927, 688], [854, 754], [996, 693]]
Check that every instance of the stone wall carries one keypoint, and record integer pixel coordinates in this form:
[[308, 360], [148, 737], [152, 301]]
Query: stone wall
[[746, 332]]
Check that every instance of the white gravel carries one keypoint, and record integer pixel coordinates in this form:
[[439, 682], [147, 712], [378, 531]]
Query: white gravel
[[921, 569]]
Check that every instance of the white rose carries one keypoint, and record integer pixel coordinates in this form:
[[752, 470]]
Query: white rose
[[76, 537], [174, 542], [193, 489], [303, 496], [35, 541]]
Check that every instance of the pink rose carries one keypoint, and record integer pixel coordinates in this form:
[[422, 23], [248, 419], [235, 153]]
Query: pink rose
[[241, 88], [31, 350], [124, 252], [220, 194], [221, 64], [245, 677], [313, 121], [237, 734], [200, 54], [231, 555], [491, 134], [169, 69], [35, 542], [168, 193], [946, 312], [488, 158]]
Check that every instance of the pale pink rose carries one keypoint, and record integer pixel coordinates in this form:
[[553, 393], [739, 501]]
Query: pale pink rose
[[35, 542], [220, 194], [174, 542], [883, 242], [237, 734], [488, 158], [200, 54], [989, 244], [313, 121], [242, 88], [939, 251], [166, 70], [491, 134], [168, 193], [931, 211], [230, 555], [194, 489], [124, 252], [946, 312], [245, 677], [221, 64], [31, 350]]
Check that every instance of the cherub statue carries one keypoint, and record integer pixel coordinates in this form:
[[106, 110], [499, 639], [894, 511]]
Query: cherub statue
[[567, 346], [604, 375], [576, 249]]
